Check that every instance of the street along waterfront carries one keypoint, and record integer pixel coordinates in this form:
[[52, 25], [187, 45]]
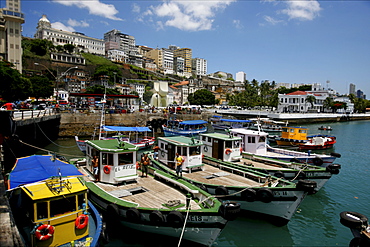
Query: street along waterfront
[[316, 222]]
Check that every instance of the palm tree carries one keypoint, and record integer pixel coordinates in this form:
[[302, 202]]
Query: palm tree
[[328, 103], [310, 99]]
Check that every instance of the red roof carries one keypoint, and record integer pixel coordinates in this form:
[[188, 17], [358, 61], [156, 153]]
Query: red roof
[[298, 93]]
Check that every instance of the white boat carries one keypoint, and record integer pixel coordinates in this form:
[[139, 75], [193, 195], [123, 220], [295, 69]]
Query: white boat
[[158, 203], [270, 198], [267, 125], [227, 123], [255, 143]]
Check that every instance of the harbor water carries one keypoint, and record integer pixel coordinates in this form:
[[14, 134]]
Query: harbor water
[[315, 223]]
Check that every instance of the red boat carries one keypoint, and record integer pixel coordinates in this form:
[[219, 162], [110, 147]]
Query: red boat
[[318, 142]]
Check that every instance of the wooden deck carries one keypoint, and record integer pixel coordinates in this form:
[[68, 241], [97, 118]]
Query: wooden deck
[[247, 162], [151, 193], [225, 178]]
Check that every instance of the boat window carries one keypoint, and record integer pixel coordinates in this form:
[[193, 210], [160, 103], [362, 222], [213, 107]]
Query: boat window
[[285, 130], [162, 145], [125, 158], [236, 144], [81, 201], [251, 139], [42, 210], [291, 130], [62, 206], [107, 159], [204, 138], [262, 139], [184, 151], [302, 131], [228, 144], [209, 139], [194, 150]]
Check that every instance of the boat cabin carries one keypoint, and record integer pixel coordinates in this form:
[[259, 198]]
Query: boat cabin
[[55, 204], [252, 141], [225, 147], [294, 133], [116, 160], [189, 148]]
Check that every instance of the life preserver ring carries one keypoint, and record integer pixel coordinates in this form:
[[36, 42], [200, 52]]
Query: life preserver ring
[[106, 169], [82, 221], [241, 150], [137, 165], [44, 232], [228, 151]]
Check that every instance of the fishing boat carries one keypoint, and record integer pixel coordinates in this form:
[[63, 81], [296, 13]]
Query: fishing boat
[[316, 142], [227, 148], [360, 228], [267, 125], [227, 123], [328, 128], [158, 203], [255, 143], [49, 202], [270, 198], [184, 128]]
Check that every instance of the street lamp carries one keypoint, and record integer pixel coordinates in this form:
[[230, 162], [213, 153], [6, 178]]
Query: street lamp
[[57, 78]]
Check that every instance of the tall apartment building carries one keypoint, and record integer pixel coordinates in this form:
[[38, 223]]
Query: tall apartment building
[[60, 37], [352, 89], [157, 56], [199, 66], [11, 20], [178, 66], [167, 61], [186, 54], [240, 76]]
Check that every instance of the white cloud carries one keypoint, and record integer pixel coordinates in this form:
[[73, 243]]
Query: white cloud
[[61, 26], [302, 10], [237, 24], [75, 23], [272, 20], [188, 15], [135, 8], [95, 7]]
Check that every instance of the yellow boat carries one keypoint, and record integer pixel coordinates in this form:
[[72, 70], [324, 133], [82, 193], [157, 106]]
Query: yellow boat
[[292, 136], [52, 211]]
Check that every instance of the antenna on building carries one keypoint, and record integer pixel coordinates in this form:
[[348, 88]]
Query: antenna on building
[[327, 85]]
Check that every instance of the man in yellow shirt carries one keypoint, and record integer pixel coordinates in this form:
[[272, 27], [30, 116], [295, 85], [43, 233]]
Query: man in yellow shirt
[[179, 160]]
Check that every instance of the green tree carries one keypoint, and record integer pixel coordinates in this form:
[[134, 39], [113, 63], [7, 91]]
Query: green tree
[[147, 96], [69, 48], [41, 87], [110, 70], [201, 97], [328, 103], [310, 99], [41, 47]]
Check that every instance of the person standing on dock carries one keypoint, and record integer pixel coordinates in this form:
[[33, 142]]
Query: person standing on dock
[[179, 160], [145, 162]]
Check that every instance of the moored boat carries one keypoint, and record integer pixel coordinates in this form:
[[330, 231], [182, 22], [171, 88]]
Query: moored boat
[[226, 147], [328, 128], [227, 123], [49, 202], [360, 228], [255, 143], [270, 198], [184, 128], [315, 142], [157, 203]]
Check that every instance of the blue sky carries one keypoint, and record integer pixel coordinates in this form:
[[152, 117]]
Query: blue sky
[[281, 41]]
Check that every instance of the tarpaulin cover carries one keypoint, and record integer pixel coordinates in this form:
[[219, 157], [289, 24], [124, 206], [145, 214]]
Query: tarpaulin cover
[[36, 168], [123, 128], [193, 122]]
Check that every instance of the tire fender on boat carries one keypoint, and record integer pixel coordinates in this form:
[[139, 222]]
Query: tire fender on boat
[[333, 168], [307, 185], [353, 220], [156, 217], [82, 221], [106, 169], [44, 232], [264, 195], [317, 161], [175, 219], [133, 215], [221, 190], [249, 195], [279, 174], [336, 155], [229, 210], [112, 214]]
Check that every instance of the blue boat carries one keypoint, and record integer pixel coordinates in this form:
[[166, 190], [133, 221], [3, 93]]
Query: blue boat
[[184, 128], [226, 123], [49, 202]]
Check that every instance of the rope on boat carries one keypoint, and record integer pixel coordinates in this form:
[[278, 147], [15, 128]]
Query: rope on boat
[[183, 228], [299, 172]]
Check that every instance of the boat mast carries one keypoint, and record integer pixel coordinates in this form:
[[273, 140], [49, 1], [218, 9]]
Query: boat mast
[[102, 118]]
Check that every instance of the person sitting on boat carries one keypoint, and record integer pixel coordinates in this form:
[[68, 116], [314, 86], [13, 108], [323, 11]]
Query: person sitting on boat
[[95, 163], [178, 161], [156, 149], [145, 162]]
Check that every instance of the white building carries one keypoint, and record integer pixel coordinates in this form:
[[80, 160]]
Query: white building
[[60, 37], [167, 61], [241, 76], [199, 66], [11, 20], [296, 102], [116, 56]]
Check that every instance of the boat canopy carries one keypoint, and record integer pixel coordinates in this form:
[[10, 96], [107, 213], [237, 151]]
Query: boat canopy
[[235, 120], [123, 128], [193, 122], [36, 168]]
